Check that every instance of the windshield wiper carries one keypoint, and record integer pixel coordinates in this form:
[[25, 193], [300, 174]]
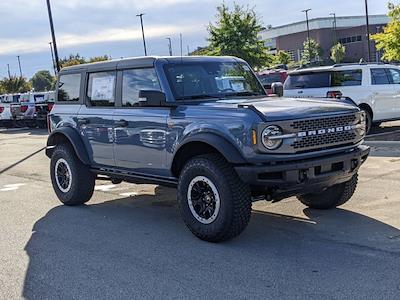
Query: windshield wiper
[[196, 97], [247, 93]]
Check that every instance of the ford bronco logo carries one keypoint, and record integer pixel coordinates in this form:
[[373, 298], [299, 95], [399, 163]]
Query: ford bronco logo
[[325, 131]]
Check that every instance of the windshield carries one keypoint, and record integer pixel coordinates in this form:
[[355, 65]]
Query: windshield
[[207, 80], [270, 78]]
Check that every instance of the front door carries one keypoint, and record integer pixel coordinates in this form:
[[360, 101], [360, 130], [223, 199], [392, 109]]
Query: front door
[[95, 119], [141, 133]]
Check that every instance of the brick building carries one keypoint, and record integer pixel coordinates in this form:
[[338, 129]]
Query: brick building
[[350, 31]]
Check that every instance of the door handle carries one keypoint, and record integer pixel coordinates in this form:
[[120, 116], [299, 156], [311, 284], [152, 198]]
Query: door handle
[[121, 123], [83, 121]]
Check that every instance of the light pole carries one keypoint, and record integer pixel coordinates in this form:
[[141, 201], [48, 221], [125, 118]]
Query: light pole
[[52, 58], [368, 34], [9, 73], [19, 64], [144, 39], [169, 46], [334, 27], [53, 35], [308, 31]]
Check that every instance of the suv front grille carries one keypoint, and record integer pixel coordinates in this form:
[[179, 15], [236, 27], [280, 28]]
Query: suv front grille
[[328, 139], [329, 122]]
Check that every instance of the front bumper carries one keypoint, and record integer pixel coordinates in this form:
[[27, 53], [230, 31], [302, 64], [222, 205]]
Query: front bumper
[[305, 176]]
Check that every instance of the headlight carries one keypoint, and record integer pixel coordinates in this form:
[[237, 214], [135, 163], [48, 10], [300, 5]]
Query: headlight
[[270, 137]]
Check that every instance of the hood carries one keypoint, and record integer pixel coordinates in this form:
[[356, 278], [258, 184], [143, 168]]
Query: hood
[[274, 109]]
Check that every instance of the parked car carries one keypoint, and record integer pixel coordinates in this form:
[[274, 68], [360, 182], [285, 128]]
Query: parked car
[[170, 121], [268, 77], [8, 109], [375, 88]]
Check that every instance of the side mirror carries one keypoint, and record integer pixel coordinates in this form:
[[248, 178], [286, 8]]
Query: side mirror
[[277, 89], [152, 98]]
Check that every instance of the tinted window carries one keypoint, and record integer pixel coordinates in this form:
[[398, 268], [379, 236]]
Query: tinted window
[[69, 87], [308, 80], [347, 78], [379, 76], [136, 80], [269, 79], [101, 89], [212, 80], [394, 76]]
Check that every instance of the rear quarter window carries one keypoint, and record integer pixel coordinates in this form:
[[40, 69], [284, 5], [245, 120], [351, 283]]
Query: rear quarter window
[[347, 78], [69, 87]]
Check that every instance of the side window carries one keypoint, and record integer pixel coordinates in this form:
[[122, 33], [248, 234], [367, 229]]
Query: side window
[[379, 76], [135, 80], [394, 76], [101, 88], [69, 87], [347, 78]]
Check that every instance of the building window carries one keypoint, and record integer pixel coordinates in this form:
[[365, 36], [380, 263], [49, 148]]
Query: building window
[[292, 54], [350, 39]]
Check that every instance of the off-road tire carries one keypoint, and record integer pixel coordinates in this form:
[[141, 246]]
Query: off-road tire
[[332, 197], [82, 179], [369, 121], [235, 198]]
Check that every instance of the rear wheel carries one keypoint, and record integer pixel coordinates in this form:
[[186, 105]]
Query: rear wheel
[[73, 182], [214, 203], [368, 120], [332, 197]]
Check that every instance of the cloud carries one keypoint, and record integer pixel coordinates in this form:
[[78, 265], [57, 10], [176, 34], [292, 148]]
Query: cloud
[[32, 45]]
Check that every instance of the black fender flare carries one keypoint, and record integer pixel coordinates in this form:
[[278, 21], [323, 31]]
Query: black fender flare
[[74, 139], [221, 144]]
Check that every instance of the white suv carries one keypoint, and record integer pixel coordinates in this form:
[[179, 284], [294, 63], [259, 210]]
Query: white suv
[[8, 105], [375, 88]]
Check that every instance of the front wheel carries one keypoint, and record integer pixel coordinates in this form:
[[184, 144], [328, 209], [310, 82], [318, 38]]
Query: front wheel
[[73, 182], [214, 203], [332, 197]]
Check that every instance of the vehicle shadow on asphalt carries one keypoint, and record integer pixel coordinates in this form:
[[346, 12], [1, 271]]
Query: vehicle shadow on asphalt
[[138, 247], [29, 131]]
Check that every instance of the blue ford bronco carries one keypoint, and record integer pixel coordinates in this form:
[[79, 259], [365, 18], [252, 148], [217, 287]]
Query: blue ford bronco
[[206, 126]]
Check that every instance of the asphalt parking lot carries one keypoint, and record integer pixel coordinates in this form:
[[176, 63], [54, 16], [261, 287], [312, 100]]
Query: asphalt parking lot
[[129, 241]]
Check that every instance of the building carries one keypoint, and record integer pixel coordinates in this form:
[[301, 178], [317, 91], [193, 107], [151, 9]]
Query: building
[[350, 31]]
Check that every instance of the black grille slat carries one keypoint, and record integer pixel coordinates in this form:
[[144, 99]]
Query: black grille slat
[[328, 139]]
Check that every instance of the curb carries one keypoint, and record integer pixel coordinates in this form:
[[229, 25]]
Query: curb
[[383, 143]]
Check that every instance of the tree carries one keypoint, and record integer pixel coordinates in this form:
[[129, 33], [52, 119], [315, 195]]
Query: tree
[[312, 51], [43, 81], [389, 40], [282, 58], [76, 59], [15, 84], [237, 33], [338, 53]]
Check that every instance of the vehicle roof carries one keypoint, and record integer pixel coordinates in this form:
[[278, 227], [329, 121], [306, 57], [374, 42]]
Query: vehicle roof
[[145, 61], [342, 67]]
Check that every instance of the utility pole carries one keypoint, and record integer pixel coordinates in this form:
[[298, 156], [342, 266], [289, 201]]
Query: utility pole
[[52, 58], [144, 39], [19, 64], [9, 73], [53, 35], [188, 50], [169, 46], [308, 31], [368, 33], [334, 27]]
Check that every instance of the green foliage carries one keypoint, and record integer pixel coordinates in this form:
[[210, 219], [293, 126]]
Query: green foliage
[[76, 59], [338, 53], [389, 40], [312, 51], [237, 33], [15, 84], [282, 58], [43, 81]]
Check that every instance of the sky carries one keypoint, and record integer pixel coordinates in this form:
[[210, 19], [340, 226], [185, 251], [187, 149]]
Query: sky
[[99, 27]]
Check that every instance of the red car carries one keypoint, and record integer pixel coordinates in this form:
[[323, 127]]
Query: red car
[[268, 77]]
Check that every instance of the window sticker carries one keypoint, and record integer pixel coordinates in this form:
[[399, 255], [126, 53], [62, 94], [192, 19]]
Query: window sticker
[[103, 88]]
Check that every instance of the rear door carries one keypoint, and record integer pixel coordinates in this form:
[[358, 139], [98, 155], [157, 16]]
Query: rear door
[[140, 132], [394, 75], [95, 119], [383, 99]]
